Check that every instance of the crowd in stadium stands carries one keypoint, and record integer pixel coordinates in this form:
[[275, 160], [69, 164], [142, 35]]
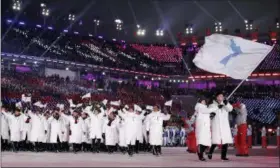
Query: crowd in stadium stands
[[160, 53], [49, 44], [260, 99], [161, 59]]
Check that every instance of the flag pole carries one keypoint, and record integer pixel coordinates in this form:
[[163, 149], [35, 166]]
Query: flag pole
[[236, 88]]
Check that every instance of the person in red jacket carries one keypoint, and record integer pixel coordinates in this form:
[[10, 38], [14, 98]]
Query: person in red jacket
[[278, 136], [249, 136], [241, 121], [264, 144], [191, 140]]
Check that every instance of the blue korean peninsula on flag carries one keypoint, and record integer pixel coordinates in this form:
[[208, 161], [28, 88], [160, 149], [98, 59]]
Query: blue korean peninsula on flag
[[229, 55]]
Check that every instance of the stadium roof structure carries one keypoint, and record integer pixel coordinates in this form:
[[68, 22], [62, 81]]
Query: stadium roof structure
[[103, 17]]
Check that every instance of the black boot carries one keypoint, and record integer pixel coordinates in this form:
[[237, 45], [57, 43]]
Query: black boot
[[211, 151], [93, 149], [158, 149], [154, 150], [137, 147], [200, 151], [224, 152], [75, 148], [15, 147], [130, 150]]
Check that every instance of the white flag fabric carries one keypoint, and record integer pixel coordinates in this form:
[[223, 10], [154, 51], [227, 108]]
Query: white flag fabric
[[105, 101], [168, 103], [149, 107], [60, 106], [115, 103], [229, 55], [137, 108], [71, 103], [25, 98], [18, 105], [88, 95]]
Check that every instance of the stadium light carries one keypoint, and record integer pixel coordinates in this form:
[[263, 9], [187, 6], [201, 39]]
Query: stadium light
[[277, 23], [119, 24], [96, 21], [141, 32], [189, 29], [218, 27], [138, 26], [248, 24], [71, 17], [159, 32], [16, 5], [45, 10]]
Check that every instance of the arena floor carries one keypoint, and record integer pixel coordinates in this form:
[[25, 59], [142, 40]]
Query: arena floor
[[172, 157]]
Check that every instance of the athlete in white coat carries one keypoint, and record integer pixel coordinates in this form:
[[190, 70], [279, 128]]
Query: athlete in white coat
[[139, 125], [110, 129], [202, 126], [155, 128], [130, 119], [86, 139], [16, 122], [4, 129], [57, 130], [95, 128], [25, 136], [77, 129], [122, 142], [221, 133], [65, 136], [39, 127]]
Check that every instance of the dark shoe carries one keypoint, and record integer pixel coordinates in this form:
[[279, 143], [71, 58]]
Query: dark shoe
[[225, 159], [242, 155], [202, 159], [209, 156]]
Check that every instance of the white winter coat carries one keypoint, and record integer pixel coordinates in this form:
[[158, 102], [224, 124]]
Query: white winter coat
[[15, 125], [66, 124], [85, 137], [154, 126], [38, 127], [144, 130], [111, 132], [57, 129], [221, 133], [122, 141], [4, 127], [202, 124], [130, 120], [26, 131], [77, 130], [139, 125], [96, 122]]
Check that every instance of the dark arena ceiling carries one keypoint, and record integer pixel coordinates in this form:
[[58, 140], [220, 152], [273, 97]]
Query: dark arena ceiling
[[170, 15]]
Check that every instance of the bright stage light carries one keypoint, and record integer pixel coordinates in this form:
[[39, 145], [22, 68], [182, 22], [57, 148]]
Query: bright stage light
[[71, 17], [17, 5], [159, 32]]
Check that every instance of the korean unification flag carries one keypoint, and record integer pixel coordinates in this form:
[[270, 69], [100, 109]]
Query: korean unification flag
[[229, 55]]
